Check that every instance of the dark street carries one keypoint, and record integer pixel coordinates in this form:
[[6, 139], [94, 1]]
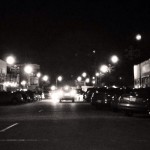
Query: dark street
[[45, 125]]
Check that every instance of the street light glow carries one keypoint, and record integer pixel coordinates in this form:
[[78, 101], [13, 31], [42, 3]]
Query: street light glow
[[138, 37], [38, 74], [10, 60], [79, 79], [87, 80], [104, 68], [93, 81], [97, 74], [114, 59], [59, 78], [45, 78], [28, 69], [23, 82], [84, 74], [53, 87]]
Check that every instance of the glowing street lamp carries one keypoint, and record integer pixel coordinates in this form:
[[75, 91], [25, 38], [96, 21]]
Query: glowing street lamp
[[59, 78], [45, 78], [138, 37], [114, 59], [84, 74], [28, 69], [93, 78], [53, 87], [79, 79], [38, 75], [87, 80], [23, 82], [10, 60], [97, 74], [104, 68], [93, 82]]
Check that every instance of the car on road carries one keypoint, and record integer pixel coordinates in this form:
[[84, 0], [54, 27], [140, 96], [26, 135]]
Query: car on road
[[67, 94]]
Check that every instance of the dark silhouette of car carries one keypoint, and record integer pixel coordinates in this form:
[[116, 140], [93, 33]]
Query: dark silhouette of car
[[134, 101], [88, 94], [101, 98], [11, 97]]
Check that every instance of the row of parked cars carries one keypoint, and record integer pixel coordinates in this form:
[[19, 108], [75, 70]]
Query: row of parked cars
[[120, 99], [19, 97]]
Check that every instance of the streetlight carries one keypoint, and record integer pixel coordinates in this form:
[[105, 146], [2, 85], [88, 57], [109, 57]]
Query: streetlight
[[53, 87], [87, 80], [104, 68], [84, 74], [114, 59], [38, 75], [93, 82], [138, 37], [28, 69], [45, 78], [97, 74], [10, 60], [59, 78], [79, 79]]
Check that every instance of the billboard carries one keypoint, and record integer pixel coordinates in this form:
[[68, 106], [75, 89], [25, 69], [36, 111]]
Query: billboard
[[145, 68], [137, 71]]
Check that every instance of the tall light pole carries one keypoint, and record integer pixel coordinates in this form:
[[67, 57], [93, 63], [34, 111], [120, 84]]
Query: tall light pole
[[28, 70], [59, 78]]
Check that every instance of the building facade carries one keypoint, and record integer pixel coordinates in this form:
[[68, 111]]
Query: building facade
[[3, 73], [142, 74]]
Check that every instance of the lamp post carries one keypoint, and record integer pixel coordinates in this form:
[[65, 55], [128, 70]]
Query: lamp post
[[28, 70], [59, 78], [11, 72]]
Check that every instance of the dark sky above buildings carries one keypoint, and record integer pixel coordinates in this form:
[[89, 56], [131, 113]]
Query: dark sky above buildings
[[68, 37]]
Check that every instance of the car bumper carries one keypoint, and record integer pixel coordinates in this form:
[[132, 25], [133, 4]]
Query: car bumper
[[134, 108]]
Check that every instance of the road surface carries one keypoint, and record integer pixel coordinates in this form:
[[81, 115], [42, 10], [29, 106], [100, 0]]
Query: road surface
[[45, 125]]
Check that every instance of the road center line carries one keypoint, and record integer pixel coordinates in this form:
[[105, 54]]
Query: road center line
[[3, 130]]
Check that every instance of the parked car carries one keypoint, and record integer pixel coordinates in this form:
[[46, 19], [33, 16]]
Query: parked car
[[87, 95], [101, 98], [135, 101], [9, 97]]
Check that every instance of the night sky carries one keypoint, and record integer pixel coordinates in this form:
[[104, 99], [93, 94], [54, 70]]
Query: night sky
[[67, 37]]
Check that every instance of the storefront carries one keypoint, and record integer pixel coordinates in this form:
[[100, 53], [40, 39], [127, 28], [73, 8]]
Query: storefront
[[142, 74]]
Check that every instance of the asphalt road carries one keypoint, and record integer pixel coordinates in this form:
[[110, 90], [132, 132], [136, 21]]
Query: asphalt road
[[70, 126]]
